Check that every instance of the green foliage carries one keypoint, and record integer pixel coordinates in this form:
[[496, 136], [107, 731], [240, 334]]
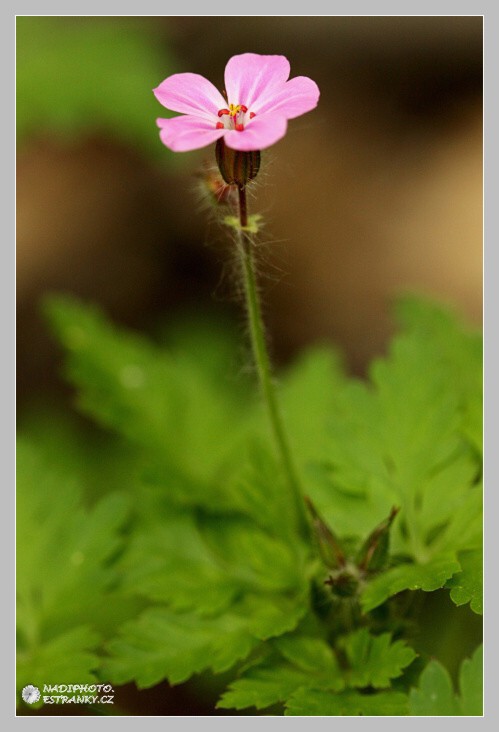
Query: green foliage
[[435, 695], [466, 585], [211, 574], [317, 703], [374, 660], [297, 662], [305, 664], [404, 439], [84, 75], [63, 572], [427, 577]]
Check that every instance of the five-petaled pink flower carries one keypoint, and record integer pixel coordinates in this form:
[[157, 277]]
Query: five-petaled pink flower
[[259, 102]]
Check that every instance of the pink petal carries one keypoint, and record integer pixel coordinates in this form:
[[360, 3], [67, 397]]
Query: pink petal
[[295, 97], [260, 133], [190, 94], [249, 75], [185, 133]]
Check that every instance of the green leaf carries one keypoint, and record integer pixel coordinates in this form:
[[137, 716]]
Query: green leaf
[[203, 562], [63, 568], [427, 577], [258, 489], [88, 75], [400, 440], [435, 695], [318, 703], [163, 644], [304, 662], [69, 657], [375, 660], [262, 687], [467, 585], [307, 399], [167, 561], [168, 405], [311, 655], [471, 684]]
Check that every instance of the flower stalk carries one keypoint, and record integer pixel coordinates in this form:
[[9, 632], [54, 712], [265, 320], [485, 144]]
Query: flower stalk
[[262, 361]]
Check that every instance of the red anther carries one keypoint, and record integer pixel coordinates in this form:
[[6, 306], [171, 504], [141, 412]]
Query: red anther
[[239, 127], [222, 112], [252, 114], [220, 125], [244, 109]]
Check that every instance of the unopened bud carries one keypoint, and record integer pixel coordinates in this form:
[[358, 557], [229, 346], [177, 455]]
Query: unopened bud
[[329, 547], [237, 166], [344, 582], [373, 553]]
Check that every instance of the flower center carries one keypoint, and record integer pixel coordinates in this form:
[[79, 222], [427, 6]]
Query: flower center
[[234, 118]]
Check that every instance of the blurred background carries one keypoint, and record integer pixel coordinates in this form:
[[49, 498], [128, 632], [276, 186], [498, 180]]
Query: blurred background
[[379, 190], [376, 192]]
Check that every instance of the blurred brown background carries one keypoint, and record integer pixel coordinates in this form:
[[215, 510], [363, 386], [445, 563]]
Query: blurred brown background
[[377, 191]]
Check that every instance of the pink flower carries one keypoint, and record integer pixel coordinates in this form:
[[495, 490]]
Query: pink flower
[[260, 100]]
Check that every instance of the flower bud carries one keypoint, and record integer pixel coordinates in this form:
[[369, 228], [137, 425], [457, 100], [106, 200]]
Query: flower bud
[[329, 547], [344, 582], [236, 166], [373, 554]]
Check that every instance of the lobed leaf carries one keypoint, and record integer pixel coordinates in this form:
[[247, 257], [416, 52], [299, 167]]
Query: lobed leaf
[[303, 662], [64, 575], [375, 660], [427, 577], [435, 694], [467, 585], [162, 643]]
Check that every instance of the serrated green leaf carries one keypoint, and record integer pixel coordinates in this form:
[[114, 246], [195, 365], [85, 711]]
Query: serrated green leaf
[[471, 684], [307, 702], [167, 561], [467, 585], [263, 686], [259, 489], [427, 577], [166, 404], [374, 660], [307, 396], [304, 662], [62, 549], [271, 615], [311, 655], [435, 694], [398, 440], [63, 568], [203, 562], [68, 657], [162, 644], [252, 557]]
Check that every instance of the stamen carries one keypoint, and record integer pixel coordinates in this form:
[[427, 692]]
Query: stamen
[[252, 114], [244, 109], [239, 127], [222, 112], [220, 126]]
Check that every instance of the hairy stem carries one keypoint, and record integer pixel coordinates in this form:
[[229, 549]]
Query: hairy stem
[[262, 362]]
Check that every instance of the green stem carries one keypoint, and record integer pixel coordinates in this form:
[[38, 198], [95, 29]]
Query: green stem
[[262, 361]]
